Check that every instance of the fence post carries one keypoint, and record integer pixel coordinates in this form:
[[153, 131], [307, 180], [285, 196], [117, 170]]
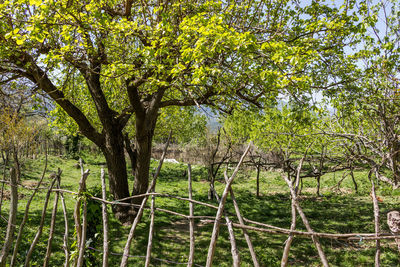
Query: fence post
[[218, 216], [52, 223], [105, 220], [191, 219], [25, 218], [39, 232], [12, 218], [81, 228]]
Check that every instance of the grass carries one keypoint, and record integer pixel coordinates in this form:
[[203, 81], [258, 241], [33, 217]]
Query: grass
[[335, 211]]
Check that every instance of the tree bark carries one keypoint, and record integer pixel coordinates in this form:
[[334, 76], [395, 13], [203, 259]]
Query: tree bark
[[131, 150], [114, 153], [144, 136], [12, 218]]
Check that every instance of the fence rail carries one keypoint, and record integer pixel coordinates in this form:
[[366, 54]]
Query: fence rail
[[80, 222]]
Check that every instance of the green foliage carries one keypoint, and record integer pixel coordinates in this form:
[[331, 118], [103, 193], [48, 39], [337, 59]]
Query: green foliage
[[217, 53], [186, 125]]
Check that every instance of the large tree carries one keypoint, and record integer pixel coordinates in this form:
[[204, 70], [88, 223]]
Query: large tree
[[107, 62]]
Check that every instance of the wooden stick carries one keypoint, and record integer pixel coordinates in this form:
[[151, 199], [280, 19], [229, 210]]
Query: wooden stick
[[5, 162], [66, 227], [191, 220], [151, 231], [105, 220], [52, 224], [288, 243], [348, 237], [376, 218], [81, 229], [218, 216], [307, 224], [41, 224], [26, 214], [232, 240], [124, 261], [12, 218], [241, 221]]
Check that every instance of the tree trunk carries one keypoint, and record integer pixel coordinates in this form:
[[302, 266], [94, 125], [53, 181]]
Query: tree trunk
[[131, 150], [17, 166], [144, 137], [114, 153]]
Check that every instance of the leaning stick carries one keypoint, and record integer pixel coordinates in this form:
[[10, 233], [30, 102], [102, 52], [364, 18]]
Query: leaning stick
[[241, 221], [25, 218], [66, 228], [5, 162], [232, 240], [39, 232], [52, 224], [348, 237], [151, 231], [288, 243], [191, 220], [376, 217], [105, 220], [218, 216], [124, 261], [12, 218], [81, 229], [307, 224]]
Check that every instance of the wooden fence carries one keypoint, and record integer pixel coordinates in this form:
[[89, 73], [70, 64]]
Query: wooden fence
[[222, 217]]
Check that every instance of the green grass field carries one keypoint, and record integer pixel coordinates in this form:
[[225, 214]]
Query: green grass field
[[335, 212]]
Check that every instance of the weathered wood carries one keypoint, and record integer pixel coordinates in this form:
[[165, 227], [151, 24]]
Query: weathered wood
[[232, 239], [191, 220], [52, 224], [288, 242], [81, 229], [376, 221], [41, 224], [307, 224], [5, 162], [105, 219], [347, 237], [66, 227], [258, 180], [151, 231], [26, 214], [124, 261], [241, 221], [221, 206], [12, 218]]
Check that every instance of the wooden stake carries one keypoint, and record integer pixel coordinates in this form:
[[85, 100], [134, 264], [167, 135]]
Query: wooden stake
[[151, 231], [232, 240], [218, 216], [191, 220], [307, 224], [241, 221], [52, 224], [81, 229], [26, 214], [376, 218], [66, 227], [105, 220], [12, 218], [41, 224]]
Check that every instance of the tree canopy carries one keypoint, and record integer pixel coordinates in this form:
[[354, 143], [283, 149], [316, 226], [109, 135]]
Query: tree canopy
[[103, 62]]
